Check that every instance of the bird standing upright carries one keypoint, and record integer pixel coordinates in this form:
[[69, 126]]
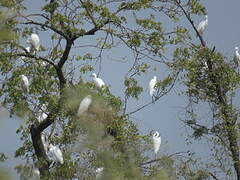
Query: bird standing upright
[[34, 41], [56, 153], [24, 82], [156, 141], [98, 81], [152, 84], [202, 25], [85, 103], [237, 56]]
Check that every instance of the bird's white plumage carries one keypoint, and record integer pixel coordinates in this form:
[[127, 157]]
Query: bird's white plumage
[[85, 103], [28, 49], [237, 55], [152, 84], [99, 172], [44, 141], [202, 25], [205, 66], [98, 81], [34, 41], [24, 82], [42, 113], [156, 141], [42, 116], [56, 153]]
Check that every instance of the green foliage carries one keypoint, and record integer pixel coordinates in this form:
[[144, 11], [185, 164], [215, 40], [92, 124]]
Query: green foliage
[[132, 88], [197, 7]]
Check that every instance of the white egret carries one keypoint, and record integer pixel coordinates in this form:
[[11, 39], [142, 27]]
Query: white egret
[[205, 66], [34, 41], [43, 115], [202, 25], [85, 103], [28, 49], [99, 172], [56, 153], [237, 56], [152, 84], [45, 143], [156, 141], [98, 81], [24, 82]]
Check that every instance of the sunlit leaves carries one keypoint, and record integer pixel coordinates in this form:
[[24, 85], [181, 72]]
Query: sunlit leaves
[[51, 7], [197, 7], [136, 5], [132, 88], [135, 40], [8, 3], [149, 24], [86, 68]]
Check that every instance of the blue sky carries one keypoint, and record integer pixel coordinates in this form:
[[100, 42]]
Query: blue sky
[[223, 32]]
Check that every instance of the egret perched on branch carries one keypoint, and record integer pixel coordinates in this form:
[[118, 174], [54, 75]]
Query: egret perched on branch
[[34, 41], [24, 82], [152, 84], [156, 141], [237, 56], [43, 115], [202, 25], [85, 103], [98, 81], [28, 49], [45, 143], [99, 172], [56, 153]]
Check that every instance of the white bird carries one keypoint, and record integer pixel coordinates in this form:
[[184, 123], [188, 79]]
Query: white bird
[[202, 25], [34, 41], [28, 49], [24, 82], [99, 172], [152, 84], [43, 115], [44, 141], [85, 103], [98, 81], [156, 141], [56, 153], [205, 66], [237, 56]]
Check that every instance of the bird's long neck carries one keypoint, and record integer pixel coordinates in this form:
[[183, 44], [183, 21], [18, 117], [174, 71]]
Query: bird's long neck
[[237, 53]]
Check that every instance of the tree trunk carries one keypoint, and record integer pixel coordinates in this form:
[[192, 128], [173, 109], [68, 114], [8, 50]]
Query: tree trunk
[[40, 152]]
